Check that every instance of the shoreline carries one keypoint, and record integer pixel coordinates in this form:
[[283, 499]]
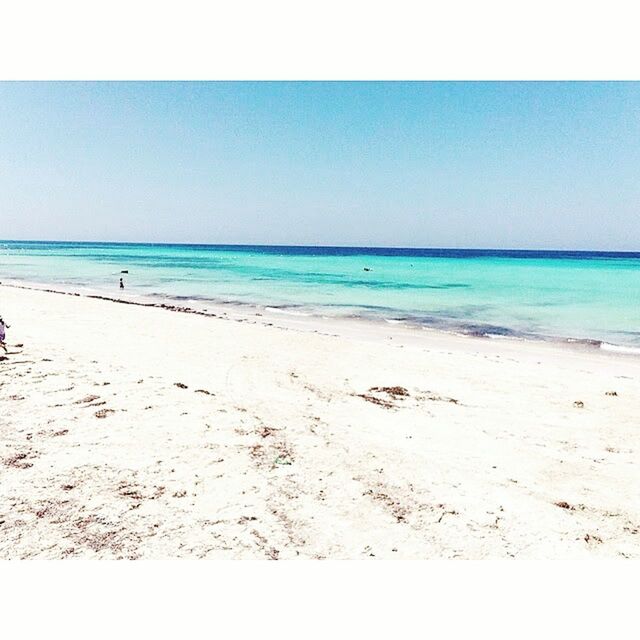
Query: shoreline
[[318, 322]]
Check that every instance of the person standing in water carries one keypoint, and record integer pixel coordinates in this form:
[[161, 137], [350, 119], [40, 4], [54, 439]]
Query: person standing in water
[[121, 284]]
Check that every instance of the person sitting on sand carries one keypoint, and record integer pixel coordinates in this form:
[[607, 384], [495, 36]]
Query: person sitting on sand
[[3, 327]]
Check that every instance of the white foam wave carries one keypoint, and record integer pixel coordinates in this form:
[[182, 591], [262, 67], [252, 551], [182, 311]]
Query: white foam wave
[[287, 312], [615, 348]]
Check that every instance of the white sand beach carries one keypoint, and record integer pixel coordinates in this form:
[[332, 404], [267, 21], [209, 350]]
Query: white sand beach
[[139, 432]]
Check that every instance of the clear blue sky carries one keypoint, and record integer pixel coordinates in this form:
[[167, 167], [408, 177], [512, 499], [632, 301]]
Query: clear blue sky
[[505, 165]]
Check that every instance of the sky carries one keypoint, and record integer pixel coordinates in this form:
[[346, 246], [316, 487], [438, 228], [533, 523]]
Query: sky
[[463, 164]]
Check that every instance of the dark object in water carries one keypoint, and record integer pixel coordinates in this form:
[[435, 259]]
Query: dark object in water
[[125, 271], [367, 269]]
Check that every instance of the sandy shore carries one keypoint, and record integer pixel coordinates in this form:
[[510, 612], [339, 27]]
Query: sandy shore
[[138, 432]]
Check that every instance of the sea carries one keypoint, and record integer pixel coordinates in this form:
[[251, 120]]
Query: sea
[[582, 296]]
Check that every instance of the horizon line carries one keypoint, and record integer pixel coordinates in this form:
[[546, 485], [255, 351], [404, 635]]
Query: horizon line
[[322, 246]]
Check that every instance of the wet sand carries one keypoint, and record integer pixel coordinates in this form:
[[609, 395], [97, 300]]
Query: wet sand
[[131, 431]]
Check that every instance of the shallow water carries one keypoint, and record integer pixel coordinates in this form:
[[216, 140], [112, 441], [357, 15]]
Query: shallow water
[[581, 295]]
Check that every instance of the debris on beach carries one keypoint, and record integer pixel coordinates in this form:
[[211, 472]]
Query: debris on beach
[[87, 399], [379, 401], [18, 461], [389, 394], [180, 385], [265, 432], [610, 393], [578, 404], [589, 537], [389, 397], [434, 397], [394, 392], [103, 413]]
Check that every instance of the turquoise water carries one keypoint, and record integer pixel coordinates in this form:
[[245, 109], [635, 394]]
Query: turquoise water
[[581, 295]]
